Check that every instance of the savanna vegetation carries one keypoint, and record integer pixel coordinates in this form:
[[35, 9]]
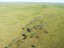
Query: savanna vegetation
[[31, 25]]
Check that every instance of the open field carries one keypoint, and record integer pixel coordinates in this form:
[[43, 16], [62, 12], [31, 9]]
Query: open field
[[31, 25]]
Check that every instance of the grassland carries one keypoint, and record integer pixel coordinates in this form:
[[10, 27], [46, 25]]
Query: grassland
[[41, 24]]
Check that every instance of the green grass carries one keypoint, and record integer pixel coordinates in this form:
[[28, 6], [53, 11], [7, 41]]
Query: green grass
[[14, 17]]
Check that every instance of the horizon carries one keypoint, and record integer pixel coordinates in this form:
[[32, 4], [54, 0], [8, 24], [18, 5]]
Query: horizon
[[32, 2], [45, 1]]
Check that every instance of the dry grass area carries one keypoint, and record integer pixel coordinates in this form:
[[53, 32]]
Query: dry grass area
[[31, 26]]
